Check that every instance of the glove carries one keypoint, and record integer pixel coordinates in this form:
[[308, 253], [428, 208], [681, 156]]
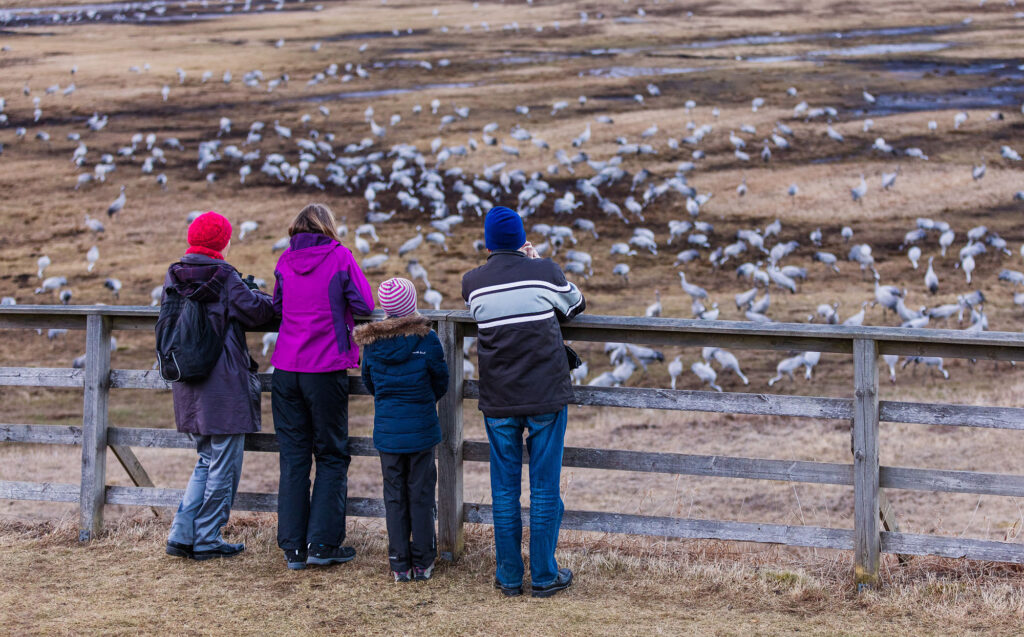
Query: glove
[[250, 282]]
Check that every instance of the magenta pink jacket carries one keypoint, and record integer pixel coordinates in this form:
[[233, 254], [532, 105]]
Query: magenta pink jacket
[[319, 289]]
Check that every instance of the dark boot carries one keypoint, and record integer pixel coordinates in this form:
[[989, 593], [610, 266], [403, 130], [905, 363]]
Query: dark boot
[[323, 555], [224, 550], [508, 591], [177, 549], [562, 582]]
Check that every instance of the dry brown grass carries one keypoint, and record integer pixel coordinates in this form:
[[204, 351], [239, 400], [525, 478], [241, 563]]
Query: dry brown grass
[[123, 584]]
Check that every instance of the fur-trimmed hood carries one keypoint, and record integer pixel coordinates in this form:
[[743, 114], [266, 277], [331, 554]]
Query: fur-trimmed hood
[[412, 325]]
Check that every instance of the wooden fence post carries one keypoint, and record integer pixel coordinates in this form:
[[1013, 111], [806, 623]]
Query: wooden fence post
[[866, 526], [94, 426], [450, 539]]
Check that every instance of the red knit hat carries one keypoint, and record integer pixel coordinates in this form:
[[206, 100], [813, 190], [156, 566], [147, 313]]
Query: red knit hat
[[209, 234]]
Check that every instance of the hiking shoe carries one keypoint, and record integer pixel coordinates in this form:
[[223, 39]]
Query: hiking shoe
[[402, 576], [562, 582], [323, 555], [224, 550], [508, 591], [296, 558], [177, 549], [422, 574]]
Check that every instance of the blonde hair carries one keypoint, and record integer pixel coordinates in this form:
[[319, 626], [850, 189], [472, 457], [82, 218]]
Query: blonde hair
[[316, 218]]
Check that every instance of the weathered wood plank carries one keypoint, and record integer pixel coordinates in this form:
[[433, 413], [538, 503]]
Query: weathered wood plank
[[685, 528], [768, 469], [137, 379], [865, 464], [887, 514], [882, 334], [797, 336], [150, 379], [952, 415], [133, 467], [792, 406], [42, 434], [172, 439], [709, 401], [955, 547], [42, 377], [952, 481], [94, 426], [41, 491], [687, 400], [244, 501], [135, 323], [685, 464], [952, 350], [450, 538], [40, 321]]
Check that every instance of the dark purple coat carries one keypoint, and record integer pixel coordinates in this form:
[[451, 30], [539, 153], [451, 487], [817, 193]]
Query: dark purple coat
[[228, 400]]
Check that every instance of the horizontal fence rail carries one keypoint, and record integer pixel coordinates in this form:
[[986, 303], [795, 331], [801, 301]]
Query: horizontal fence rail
[[874, 531]]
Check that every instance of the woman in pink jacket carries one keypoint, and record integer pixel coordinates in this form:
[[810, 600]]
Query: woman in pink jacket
[[319, 288]]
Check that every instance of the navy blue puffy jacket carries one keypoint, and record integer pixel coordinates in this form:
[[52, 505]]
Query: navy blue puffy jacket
[[403, 367]]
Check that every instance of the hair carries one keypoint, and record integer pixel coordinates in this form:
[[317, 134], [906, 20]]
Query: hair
[[316, 218]]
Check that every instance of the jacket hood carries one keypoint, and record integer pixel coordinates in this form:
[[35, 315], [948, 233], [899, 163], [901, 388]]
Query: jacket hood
[[413, 325], [199, 278], [307, 251], [393, 339]]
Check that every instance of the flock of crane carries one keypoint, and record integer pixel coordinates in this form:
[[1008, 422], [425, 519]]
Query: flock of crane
[[472, 164]]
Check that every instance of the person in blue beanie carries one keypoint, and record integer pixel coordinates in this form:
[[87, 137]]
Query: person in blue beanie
[[519, 301]]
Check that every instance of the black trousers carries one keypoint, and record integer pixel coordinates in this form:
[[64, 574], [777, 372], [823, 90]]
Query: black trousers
[[311, 421], [410, 509]]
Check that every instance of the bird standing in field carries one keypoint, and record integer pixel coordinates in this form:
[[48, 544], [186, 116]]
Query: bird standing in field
[[786, 367], [695, 291], [978, 172], [43, 262], [92, 256], [247, 227], [706, 373], [410, 245], [622, 269], [675, 370], [931, 280], [114, 285], [859, 190], [654, 309], [967, 264], [118, 204]]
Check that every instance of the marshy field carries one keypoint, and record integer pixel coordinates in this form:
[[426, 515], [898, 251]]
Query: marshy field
[[832, 162]]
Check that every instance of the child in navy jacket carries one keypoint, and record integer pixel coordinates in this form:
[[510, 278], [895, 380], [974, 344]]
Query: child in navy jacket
[[404, 369]]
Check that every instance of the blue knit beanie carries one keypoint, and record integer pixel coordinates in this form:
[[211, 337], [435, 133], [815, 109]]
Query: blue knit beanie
[[503, 229]]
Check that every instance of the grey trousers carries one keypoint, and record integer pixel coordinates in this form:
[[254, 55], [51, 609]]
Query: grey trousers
[[206, 505]]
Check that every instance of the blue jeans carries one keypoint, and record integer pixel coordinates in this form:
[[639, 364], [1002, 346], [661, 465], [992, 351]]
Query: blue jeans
[[545, 442], [206, 505]]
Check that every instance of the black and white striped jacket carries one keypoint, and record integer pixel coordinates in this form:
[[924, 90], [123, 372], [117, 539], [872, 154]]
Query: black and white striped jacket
[[518, 304]]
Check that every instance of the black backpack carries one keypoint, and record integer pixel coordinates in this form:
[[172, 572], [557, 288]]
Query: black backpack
[[187, 345]]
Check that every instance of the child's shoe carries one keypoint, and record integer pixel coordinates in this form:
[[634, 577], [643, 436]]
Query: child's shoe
[[402, 576], [422, 574], [296, 559]]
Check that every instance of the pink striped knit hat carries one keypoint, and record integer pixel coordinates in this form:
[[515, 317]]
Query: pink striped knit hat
[[397, 297]]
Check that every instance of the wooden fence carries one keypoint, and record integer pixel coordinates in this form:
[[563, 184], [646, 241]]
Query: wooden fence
[[873, 531]]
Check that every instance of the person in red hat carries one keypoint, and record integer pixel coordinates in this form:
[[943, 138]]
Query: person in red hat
[[223, 406]]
